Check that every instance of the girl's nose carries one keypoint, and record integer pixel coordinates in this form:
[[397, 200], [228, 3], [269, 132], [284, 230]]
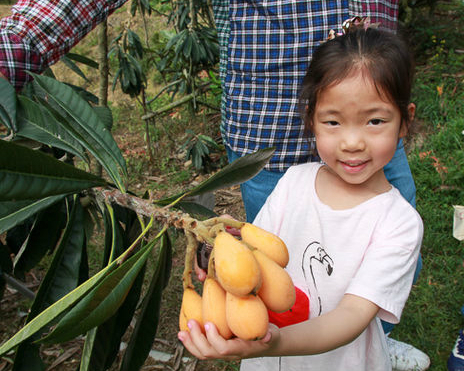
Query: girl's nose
[[352, 140]]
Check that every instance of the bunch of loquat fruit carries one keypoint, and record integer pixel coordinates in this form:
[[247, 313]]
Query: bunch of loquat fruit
[[246, 278]]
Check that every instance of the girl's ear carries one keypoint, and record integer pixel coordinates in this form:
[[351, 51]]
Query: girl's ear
[[405, 124]]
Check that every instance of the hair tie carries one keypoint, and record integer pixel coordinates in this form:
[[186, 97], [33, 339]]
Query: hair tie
[[352, 24]]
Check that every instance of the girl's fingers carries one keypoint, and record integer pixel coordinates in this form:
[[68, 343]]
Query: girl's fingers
[[184, 337], [222, 347], [234, 348], [213, 345], [197, 343]]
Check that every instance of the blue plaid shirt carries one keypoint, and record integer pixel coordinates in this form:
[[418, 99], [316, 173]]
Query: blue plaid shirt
[[266, 46]]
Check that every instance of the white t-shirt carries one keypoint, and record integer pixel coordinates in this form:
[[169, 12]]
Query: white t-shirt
[[370, 250]]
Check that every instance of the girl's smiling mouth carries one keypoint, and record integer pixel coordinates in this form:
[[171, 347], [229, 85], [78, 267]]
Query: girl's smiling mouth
[[354, 166]]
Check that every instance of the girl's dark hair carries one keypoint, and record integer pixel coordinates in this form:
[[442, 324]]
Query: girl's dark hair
[[384, 56]]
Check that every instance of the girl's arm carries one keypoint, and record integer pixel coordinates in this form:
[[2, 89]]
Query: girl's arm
[[318, 335]]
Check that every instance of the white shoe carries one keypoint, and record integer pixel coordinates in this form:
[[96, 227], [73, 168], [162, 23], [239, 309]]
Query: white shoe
[[405, 357]]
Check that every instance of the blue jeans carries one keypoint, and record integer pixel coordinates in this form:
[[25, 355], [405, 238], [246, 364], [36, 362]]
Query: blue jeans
[[256, 190]]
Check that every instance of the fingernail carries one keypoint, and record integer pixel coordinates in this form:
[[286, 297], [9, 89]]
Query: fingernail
[[189, 325], [207, 327], [180, 337]]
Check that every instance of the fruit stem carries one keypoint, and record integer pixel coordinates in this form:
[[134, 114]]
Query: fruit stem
[[192, 245], [228, 222], [216, 228]]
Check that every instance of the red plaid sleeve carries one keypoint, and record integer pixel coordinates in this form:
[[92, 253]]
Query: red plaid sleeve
[[40, 32]]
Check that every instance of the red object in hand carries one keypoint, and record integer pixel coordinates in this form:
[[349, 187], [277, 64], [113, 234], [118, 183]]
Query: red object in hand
[[296, 314]]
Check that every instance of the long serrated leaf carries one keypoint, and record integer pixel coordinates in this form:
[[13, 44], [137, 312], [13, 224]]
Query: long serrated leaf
[[34, 122], [236, 172], [147, 322], [26, 174], [102, 302], [13, 213], [8, 104], [102, 144]]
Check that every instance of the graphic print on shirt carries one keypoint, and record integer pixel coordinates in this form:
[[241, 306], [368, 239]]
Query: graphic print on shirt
[[313, 255]]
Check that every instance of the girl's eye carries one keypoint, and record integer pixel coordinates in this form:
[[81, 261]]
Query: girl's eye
[[331, 123], [376, 122]]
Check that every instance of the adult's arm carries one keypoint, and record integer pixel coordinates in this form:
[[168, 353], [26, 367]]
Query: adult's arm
[[39, 32]]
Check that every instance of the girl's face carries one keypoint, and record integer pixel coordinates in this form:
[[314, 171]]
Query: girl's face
[[357, 130]]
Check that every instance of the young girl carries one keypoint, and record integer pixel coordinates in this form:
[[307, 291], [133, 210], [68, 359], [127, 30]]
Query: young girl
[[353, 240]]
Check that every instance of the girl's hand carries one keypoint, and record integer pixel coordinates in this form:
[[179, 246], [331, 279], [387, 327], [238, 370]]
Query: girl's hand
[[214, 346]]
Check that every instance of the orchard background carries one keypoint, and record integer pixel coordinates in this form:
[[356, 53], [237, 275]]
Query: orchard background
[[165, 121]]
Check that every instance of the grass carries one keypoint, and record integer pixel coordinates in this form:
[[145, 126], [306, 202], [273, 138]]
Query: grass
[[432, 319]]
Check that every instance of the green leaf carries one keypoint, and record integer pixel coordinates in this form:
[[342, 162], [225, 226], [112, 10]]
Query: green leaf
[[65, 303], [135, 45], [73, 67], [61, 277], [26, 174], [43, 237], [13, 213], [145, 329], [173, 39], [102, 346], [195, 55], [105, 115], [84, 94], [87, 352], [98, 140], [196, 210], [27, 358], [36, 123], [133, 7], [116, 77], [6, 265], [242, 169], [63, 274], [208, 141], [82, 59], [8, 104], [197, 157], [102, 302], [55, 310], [187, 46]]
